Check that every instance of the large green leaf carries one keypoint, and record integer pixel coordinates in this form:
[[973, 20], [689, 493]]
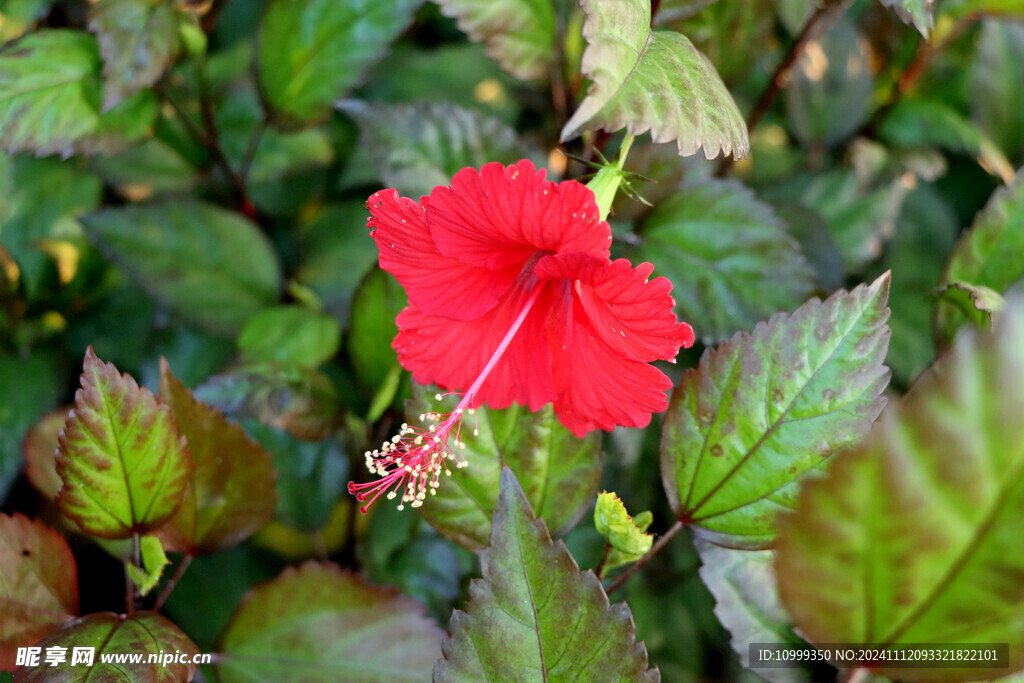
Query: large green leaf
[[918, 122], [923, 520], [50, 98], [989, 254], [730, 259], [123, 464], [210, 265], [917, 12], [534, 611], [747, 603], [644, 80], [290, 334], [765, 408], [29, 387], [312, 51], [317, 623], [377, 302], [518, 34], [108, 634], [418, 147], [231, 492], [560, 471], [39, 591], [138, 41]]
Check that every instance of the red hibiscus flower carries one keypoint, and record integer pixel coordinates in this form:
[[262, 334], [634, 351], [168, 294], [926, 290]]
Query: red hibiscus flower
[[513, 299]]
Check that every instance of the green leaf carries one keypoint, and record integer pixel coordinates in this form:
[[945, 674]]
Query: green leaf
[[765, 408], [377, 303], [535, 611], [29, 387], [144, 633], [652, 80], [829, 92], [960, 9], [153, 562], [317, 623], [290, 334], [152, 167], [231, 493], [138, 40], [997, 101], [336, 252], [732, 34], [50, 98], [917, 122], [18, 15], [917, 12], [731, 261], [988, 255], [298, 399], [518, 34], [923, 519], [747, 603], [980, 304], [39, 591], [210, 265], [312, 51], [560, 470], [418, 147], [623, 534], [123, 464]]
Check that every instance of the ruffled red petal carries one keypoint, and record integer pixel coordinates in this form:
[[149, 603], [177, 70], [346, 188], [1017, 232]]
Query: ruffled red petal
[[436, 284], [451, 354], [499, 216]]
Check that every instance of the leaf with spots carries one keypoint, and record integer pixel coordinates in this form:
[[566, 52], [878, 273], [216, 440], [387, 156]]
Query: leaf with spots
[[317, 623], [559, 471], [144, 633], [657, 81], [923, 519], [39, 584], [763, 409], [535, 613], [123, 465]]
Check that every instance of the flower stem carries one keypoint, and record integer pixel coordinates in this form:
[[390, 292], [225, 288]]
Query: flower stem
[[655, 549]]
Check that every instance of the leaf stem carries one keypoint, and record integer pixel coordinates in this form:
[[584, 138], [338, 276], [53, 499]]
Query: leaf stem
[[599, 568], [179, 572], [130, 595], [655, 549]]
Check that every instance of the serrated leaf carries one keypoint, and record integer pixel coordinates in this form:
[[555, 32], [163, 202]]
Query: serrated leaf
[[732, 34], [518, 34], [317, 623], [625, 535], [918, 122], [122, 461], [290, 334], [979, 303], [765, 408], [652, 80], [923, 519], [144, 633], [917, 12], [50, 95], [729, 258], [300, 400], [39, 591], [211, 265], [747, 603], [153, 562], [559, 470], [417, 147], [989, 255], [231, 493], [310, 52], [534, 611], [138, 40]]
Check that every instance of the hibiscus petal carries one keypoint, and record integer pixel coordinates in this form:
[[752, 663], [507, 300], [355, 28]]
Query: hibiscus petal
[[617, 303], [435, 284], [451, 354], [499, 216]]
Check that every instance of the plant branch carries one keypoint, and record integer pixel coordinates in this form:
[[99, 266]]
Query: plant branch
[[655, 549], [179, 572], [599, 568], [130, 595]]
